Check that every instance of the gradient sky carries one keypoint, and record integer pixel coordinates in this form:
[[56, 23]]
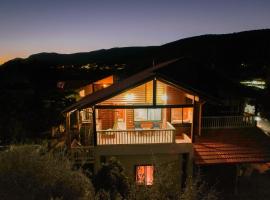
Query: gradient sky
[[65, 26]]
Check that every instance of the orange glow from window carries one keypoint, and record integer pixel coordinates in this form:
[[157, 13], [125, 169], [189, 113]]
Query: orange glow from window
[[106, 81], [145, 175]]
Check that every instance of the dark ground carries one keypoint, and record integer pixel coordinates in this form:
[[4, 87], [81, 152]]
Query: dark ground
[[251, 183]]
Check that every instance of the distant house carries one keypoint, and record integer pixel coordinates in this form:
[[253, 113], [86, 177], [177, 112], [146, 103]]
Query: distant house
[[152, 115]]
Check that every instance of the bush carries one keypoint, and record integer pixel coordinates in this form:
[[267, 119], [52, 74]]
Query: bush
[[112, 179], [167, 186], [26, 172], [111, 183]]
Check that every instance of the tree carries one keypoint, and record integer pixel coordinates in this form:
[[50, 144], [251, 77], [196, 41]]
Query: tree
[[27, 172]]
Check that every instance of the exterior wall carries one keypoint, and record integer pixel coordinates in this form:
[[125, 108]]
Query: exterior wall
[[161, 154], [130, 163]]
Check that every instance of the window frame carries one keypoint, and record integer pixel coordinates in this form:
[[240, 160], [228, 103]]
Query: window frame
[[147, 115], [182, 121], [145, 178]]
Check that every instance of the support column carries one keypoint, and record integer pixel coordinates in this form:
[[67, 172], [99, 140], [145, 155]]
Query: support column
[[68, 137], [200, 119], [94, 126], [78, 120], [193, 121], [154, 91]]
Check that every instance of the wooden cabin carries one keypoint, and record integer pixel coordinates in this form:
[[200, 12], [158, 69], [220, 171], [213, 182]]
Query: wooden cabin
[[147, 117]]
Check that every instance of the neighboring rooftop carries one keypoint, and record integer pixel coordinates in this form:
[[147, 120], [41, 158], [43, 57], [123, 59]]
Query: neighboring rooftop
[[232, 146]]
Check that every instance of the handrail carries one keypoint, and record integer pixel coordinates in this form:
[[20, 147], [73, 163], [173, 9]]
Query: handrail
[[137, 130], [136, 136], [215, 122], [82, 154]]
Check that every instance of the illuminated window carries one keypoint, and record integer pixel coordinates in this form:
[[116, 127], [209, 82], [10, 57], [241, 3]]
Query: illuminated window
[[181, 115], [145, 174], [86, 115], [147, 114], [82, 93]]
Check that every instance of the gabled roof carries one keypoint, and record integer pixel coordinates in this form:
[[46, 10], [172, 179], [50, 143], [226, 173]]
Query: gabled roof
[[232, 146], [182, 72], [118, 87]]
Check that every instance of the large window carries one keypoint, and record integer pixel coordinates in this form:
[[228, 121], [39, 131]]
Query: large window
[[145, 174], [181, 115], [147, 114]]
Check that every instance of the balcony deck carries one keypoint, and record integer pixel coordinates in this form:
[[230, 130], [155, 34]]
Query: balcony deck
[[140, 136]]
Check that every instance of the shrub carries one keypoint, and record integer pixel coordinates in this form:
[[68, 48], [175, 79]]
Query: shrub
[[26, 172], [112, 179], [167, 186]]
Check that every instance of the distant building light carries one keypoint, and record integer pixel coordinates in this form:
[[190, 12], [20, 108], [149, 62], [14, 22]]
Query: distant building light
[[257, 118], [249, 109], [254, 83]]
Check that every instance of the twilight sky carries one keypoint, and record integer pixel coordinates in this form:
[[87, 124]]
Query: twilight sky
[[69, 26]]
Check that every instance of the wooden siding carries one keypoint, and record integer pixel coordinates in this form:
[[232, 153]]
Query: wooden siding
[[170, 95], [141, 95]]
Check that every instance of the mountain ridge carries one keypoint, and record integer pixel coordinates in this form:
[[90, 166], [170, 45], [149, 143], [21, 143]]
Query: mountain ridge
[[134, 47]]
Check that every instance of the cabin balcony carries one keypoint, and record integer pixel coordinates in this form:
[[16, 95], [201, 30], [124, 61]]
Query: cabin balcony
[[155, 135]]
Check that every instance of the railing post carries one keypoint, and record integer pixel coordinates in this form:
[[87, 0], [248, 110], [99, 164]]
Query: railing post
[[94, 126], [68, 136]]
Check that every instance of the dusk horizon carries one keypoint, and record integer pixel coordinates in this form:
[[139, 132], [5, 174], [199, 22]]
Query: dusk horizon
[[3, 61], [67, 27], [135, 100]]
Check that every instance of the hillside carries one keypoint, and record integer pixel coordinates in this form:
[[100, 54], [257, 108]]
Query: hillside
[[28, 86], [240, 55]]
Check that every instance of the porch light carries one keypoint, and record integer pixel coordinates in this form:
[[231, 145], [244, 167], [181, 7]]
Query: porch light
[[130, 97], [82, 93], [258, 118], [164, 97]]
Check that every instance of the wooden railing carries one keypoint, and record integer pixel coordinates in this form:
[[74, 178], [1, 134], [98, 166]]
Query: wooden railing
[[137, 136], [215, 122], [82, 154]]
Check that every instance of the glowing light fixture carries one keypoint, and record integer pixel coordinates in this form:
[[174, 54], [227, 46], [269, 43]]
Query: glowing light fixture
[[82, 93], [164, 97], [130, 97]]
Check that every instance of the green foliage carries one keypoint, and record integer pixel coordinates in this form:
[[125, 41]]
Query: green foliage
[[27, 172], [112, 179], [196, 189], [27, 113], [111, 183]]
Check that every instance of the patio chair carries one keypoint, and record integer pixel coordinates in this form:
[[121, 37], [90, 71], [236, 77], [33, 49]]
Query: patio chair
[[137, 125], [156, 125]]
